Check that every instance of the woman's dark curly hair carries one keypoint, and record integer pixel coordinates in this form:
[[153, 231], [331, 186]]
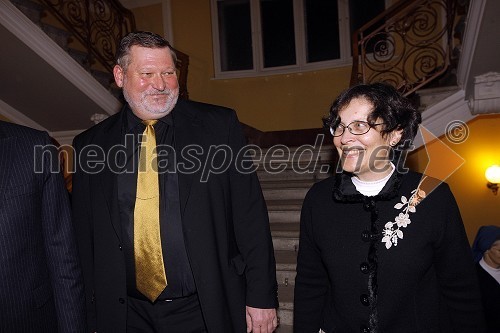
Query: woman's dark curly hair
[[395, 110]]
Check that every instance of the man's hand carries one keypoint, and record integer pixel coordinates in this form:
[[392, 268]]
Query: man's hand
[[261, 320]]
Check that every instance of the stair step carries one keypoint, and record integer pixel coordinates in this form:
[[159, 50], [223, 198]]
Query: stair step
[[299, 183], [284, 329], [285, 310], [284, 216], [285, 297], [300, 154], [285, 259], [306, 167], [286, 278], [285, 229], [284, 205], [291, 174], [431, 96], [284, 192], [285, 243], [286, 265], [295, 193]]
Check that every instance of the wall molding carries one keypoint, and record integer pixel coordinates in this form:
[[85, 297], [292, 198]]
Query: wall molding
[[438, 117], [472, 27]]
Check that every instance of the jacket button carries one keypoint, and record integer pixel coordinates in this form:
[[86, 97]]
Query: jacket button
[[121, 300], [120, 247], [364, 329], [365, 236], [369, 205], [364, 299], [364, 267]]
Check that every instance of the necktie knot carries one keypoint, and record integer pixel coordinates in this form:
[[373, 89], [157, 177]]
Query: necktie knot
[[150, 122]]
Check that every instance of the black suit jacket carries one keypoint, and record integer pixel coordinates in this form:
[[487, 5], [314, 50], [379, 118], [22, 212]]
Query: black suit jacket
[[490, 296], [224, 217], [41, 286]]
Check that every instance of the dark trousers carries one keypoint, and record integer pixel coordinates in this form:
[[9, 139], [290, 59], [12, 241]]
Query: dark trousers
[[182, 315]]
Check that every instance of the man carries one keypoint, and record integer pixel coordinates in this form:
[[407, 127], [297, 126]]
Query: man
[[199, 258], [41, 286]]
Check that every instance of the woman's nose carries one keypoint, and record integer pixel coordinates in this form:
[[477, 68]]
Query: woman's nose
[[347, 136]]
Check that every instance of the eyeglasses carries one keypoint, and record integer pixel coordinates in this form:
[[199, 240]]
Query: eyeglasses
[[356, 127]]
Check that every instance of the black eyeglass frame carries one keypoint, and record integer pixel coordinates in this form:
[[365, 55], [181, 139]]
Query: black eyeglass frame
[[370, 126]]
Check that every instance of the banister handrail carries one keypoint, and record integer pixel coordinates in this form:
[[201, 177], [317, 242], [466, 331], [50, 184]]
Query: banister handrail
[[407, 45]]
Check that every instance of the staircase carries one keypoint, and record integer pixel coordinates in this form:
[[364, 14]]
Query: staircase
[[284, 191], [90, 34], [38, 14]]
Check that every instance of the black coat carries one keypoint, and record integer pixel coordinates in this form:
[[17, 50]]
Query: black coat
[[348, 281], [490, 295], [41, 285], [225, 222]]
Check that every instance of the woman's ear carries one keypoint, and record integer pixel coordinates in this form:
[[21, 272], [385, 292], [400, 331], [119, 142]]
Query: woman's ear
[[395, 137]]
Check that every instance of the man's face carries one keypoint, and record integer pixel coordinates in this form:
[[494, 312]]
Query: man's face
[[149, 82]]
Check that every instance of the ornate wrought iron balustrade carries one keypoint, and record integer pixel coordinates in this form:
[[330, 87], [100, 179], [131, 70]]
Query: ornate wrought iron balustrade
[[406, 46], [97, 24]]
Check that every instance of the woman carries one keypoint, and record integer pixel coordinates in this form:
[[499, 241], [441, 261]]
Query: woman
[[382, 249], [486, 251]]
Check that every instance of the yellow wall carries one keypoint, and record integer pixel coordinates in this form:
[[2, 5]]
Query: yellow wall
[[480, 150], [149, 18]]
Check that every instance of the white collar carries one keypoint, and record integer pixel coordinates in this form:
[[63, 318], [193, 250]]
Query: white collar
[[494, 272], [371, 188]]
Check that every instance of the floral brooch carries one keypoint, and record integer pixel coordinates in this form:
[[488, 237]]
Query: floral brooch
[[392, 230]]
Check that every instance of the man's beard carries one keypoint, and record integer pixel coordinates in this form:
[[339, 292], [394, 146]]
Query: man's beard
[[171, 99]]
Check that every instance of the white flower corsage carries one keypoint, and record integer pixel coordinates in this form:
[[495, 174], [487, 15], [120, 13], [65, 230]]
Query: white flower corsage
[[392, 230]]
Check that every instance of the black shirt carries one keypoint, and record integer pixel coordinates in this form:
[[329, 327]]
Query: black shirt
[[179, 276]]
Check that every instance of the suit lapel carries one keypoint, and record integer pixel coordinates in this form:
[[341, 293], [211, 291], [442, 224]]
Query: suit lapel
[[187, 132], [107, 181]]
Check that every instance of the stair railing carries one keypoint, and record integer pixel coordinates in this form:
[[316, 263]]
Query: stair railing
[[99, 25], [407, 46]]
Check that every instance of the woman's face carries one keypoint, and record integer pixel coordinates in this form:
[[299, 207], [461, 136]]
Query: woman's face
[[494, 254], [366, 155]]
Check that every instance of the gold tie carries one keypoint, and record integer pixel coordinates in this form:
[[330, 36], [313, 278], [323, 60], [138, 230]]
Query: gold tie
[[149, 268]]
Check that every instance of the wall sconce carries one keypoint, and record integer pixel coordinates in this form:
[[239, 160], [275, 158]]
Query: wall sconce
[[492, 175]]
